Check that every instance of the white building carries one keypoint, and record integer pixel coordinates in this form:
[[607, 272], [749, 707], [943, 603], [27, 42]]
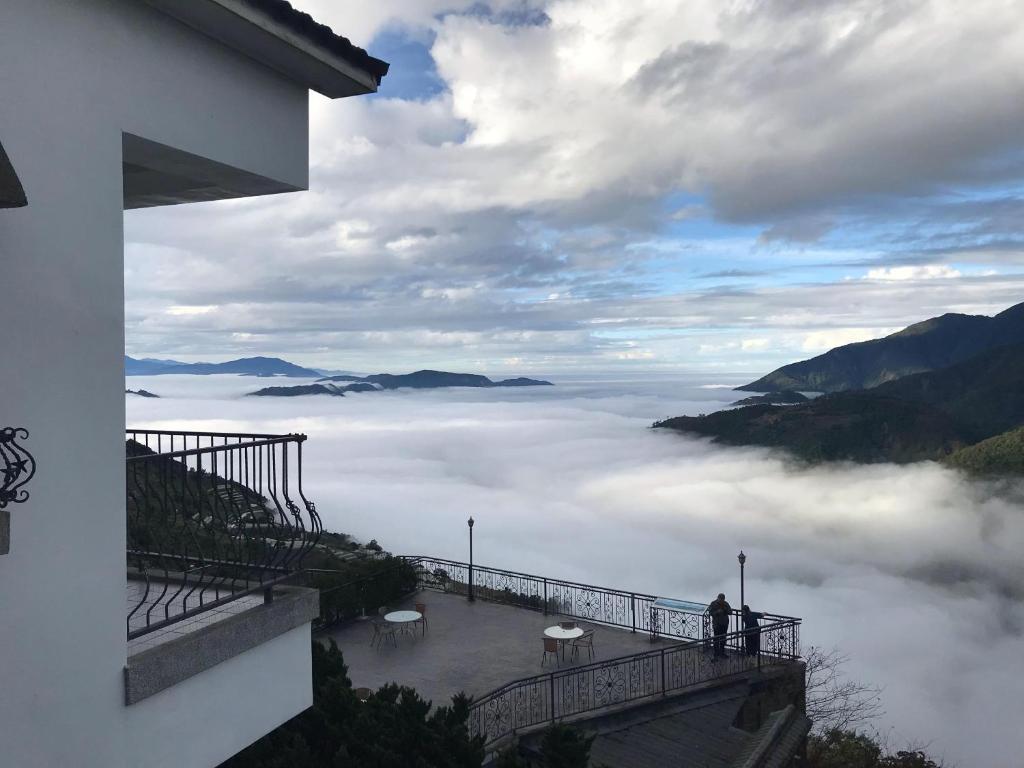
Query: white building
[[107, 105]]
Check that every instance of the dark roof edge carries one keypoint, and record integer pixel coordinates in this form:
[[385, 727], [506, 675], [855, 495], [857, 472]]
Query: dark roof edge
[[319, 34], [12, 194]]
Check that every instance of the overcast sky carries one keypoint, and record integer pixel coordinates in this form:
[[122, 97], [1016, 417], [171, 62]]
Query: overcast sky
[[543, 186]]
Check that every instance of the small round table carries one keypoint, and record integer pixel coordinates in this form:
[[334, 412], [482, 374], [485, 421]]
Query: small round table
[[561, 635], [404, 618]]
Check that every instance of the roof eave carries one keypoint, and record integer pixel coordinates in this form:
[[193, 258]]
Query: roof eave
[[246, 27], [12, 194]]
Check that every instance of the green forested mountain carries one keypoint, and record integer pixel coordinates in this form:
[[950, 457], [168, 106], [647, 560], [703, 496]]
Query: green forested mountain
[[923, 416], [925, 346], [843, 427]]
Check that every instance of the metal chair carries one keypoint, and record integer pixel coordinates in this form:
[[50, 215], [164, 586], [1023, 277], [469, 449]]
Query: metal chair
[[550, 647], [586, 640], [421, 608], [383, 630]]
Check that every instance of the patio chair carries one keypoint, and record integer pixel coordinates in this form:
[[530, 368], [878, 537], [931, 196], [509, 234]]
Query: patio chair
[[421, 608], [383, 630], [586, 640], [550, 647]]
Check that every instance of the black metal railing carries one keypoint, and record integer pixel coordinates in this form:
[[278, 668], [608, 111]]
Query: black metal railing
[[545, 699], [636, 611], [212, 517]]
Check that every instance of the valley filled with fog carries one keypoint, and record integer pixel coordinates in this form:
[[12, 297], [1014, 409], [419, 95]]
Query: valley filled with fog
[[913, 571]]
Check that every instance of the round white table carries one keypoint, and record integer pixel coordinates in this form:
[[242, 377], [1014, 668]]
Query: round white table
[[403, 617], [562, 635]]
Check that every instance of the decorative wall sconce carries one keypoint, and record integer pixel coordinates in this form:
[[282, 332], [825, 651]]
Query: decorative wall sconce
[[18, 466]]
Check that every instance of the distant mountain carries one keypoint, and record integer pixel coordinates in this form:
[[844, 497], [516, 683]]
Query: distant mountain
[[147, 366], [923, 416], [785, 397], [247, 366], [301, 389], [419, 380], [436, 379], [140, 393], [926, 346]]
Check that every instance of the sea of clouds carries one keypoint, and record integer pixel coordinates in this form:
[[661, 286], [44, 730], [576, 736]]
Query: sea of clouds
[[913, 571]]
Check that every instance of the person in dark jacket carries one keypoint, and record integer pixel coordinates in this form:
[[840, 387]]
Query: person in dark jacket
[[720, 612], [752, 627]]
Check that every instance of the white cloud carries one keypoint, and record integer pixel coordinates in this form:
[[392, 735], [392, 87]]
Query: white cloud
[[914, 572], [821, 341], [553, 162], [923, 272]]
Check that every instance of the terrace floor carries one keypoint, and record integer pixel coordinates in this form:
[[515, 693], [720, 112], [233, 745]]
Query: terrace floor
[[471, 647]]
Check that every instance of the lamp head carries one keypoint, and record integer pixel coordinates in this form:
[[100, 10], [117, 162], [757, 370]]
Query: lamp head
[[741, 557], [470, 522]]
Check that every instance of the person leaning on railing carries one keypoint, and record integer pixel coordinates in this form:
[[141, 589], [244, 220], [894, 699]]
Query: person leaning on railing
[[752, 630], [720, 612]]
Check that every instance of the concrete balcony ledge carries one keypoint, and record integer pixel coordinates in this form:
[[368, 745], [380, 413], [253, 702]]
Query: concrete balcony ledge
[[171, 662]]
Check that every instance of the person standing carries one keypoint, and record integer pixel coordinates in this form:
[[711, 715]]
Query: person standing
[[752, 630], [720, 612]]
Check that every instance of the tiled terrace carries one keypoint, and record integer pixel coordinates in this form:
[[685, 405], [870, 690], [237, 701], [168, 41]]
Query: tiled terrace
[[471, 647]]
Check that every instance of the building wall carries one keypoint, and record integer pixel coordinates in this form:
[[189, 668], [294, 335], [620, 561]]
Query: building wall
[[74, 74], [229, 706]]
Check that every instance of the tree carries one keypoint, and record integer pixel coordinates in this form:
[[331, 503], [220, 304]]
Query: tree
[[565, 747], [834, 702], [849, 749], [394, 728]]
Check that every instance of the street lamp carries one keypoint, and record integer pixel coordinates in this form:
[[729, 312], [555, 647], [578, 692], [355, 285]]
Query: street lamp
[[743, 559], [470, 524]]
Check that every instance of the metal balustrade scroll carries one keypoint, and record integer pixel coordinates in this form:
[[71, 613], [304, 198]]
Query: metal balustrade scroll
[[212, 517]]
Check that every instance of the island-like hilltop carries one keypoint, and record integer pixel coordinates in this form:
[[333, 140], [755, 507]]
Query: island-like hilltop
[[338, 386]]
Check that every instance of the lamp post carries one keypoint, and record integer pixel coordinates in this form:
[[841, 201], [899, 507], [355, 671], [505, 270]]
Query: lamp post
[[743, 559], [470, 524]]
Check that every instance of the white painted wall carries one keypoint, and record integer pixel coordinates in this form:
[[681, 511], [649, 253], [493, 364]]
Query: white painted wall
[[74, 74], [231, 705]]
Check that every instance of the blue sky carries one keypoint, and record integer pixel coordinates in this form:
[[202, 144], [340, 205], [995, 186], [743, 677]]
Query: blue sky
[[575, 185]]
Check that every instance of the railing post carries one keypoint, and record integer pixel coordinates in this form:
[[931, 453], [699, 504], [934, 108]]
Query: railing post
[[551, 677], [268, 595], [545, 596], [632, 610], [664, 690]]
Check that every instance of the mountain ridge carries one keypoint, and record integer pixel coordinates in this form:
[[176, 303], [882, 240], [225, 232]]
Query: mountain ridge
[[244, 366], [928, 345]]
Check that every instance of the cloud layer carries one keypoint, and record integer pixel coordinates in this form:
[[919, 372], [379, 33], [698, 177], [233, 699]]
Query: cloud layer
[[912, 570], [580, 165]]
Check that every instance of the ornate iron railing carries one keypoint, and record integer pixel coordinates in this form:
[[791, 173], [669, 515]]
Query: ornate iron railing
[[548, 698], [212, 517], [635, 611]]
